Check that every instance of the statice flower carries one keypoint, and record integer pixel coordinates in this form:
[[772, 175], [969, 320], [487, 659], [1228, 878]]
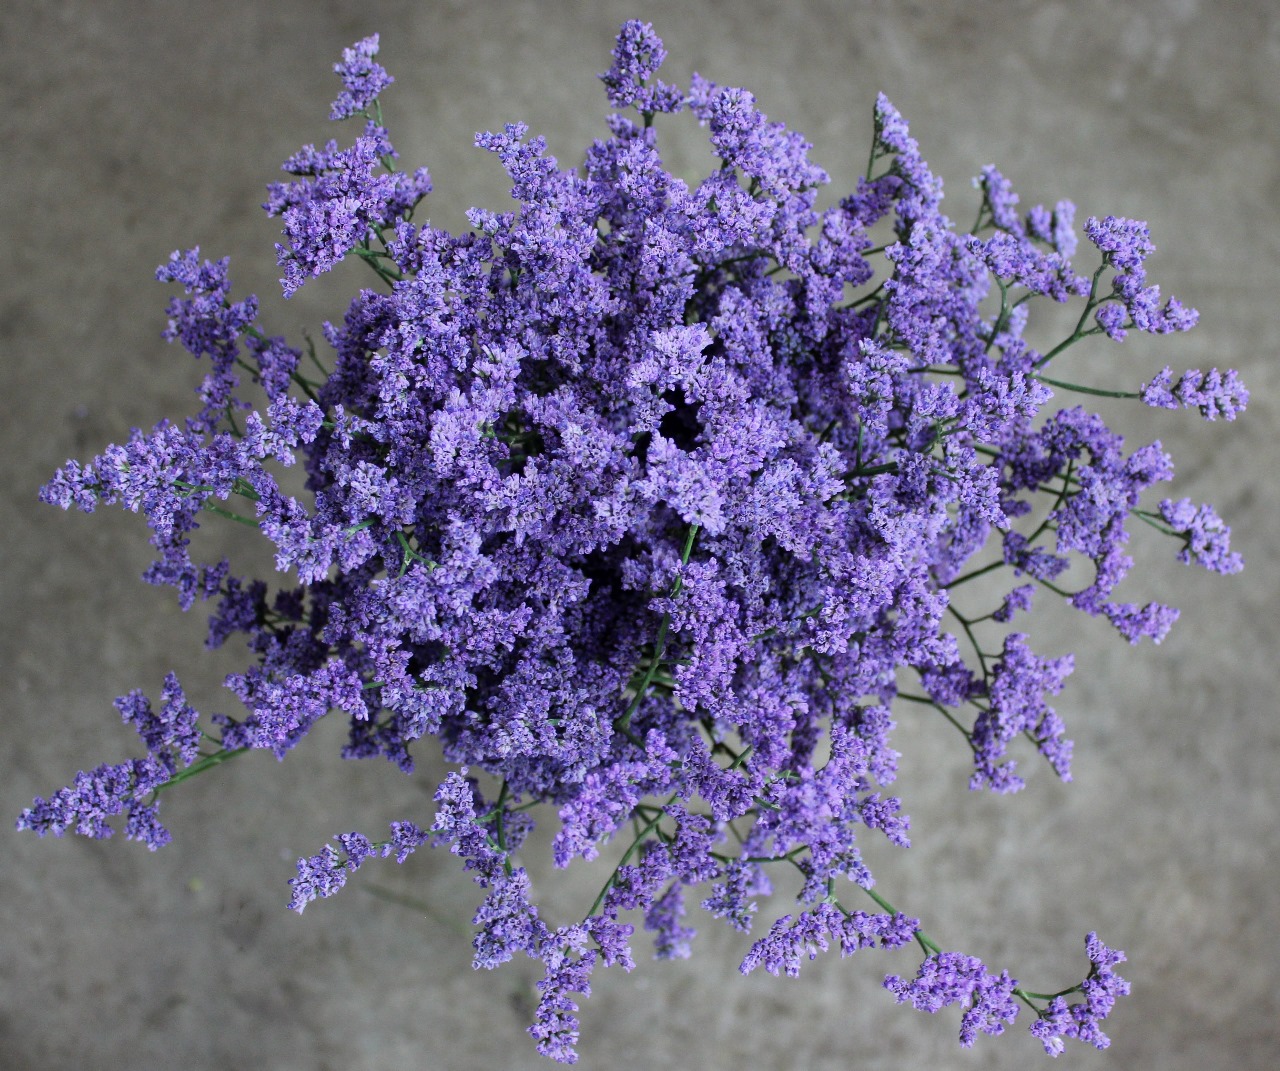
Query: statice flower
[[649, 505], [363, 79], [1215, 394], [208, 324], [102, 793], [172, 738], [952, 978], [637, 55], [1208, 539], [789, 942], [1125, 245], [1080, 1020], [345, 199], [325, 873], [1015, 705]]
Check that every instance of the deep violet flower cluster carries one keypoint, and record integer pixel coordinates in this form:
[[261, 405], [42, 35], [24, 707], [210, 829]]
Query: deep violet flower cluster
[[648, 503]]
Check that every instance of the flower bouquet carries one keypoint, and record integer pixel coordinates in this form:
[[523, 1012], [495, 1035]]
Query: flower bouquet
[[649, 504]]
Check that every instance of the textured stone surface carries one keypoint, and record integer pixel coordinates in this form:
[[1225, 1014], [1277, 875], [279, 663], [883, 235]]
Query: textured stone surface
[[131, 129]]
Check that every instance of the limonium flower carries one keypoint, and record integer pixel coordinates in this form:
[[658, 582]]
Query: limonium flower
[[651, 503]]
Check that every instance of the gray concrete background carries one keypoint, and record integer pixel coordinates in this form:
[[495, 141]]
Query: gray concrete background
[[131, 129]]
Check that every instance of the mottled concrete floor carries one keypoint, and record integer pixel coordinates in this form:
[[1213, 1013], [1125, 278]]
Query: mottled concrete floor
[[131, 128]]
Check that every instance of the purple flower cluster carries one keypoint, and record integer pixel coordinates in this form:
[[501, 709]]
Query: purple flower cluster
[[646, 502], [172, 739], [1215, 395], [947, 978], [1207, 537], [1080, 1020], [363, 78], [324, 874], [781, 950]]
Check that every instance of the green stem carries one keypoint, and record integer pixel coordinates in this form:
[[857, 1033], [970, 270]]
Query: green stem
[[1157, 522], [400, 899], [926, 701], [1003, 317], [929, 947], [212, 508], [1028, 996], [1079, 331], [311, 352], [973, 575], [1088, 390], [208, 762], [371, 258], [626, 858], [967, 625], [499, 825], [1062, 496], [410, 555]]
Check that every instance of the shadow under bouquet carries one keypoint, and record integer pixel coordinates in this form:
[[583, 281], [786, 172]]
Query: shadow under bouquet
[[647, 503]]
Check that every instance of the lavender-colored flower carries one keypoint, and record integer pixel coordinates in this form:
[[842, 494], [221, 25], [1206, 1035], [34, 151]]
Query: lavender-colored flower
[[208, 324], [104, 792], [1000, 201], [1215, 394], [767, 153], [406, 838], [1016, 261], [326, 872], [506, 921], [671, 939], [788, 941], [1111, 317], [173, 728], [1015, 704], [320, 875], [1019, 599], [732, 896], [344, 199], [918, 191], [1101, 988], [1208, 539], [1125, 243], [948, 978], [605, 800], [637, 55], [1002, 403], [569, 965], [172, 738], [1054, 227], [362, 79]]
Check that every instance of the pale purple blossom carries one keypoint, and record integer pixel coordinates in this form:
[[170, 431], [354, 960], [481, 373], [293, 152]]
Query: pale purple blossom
[[362, 79], [1208, 539], [1215, 394], [948, 978], [1080, 1020]]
